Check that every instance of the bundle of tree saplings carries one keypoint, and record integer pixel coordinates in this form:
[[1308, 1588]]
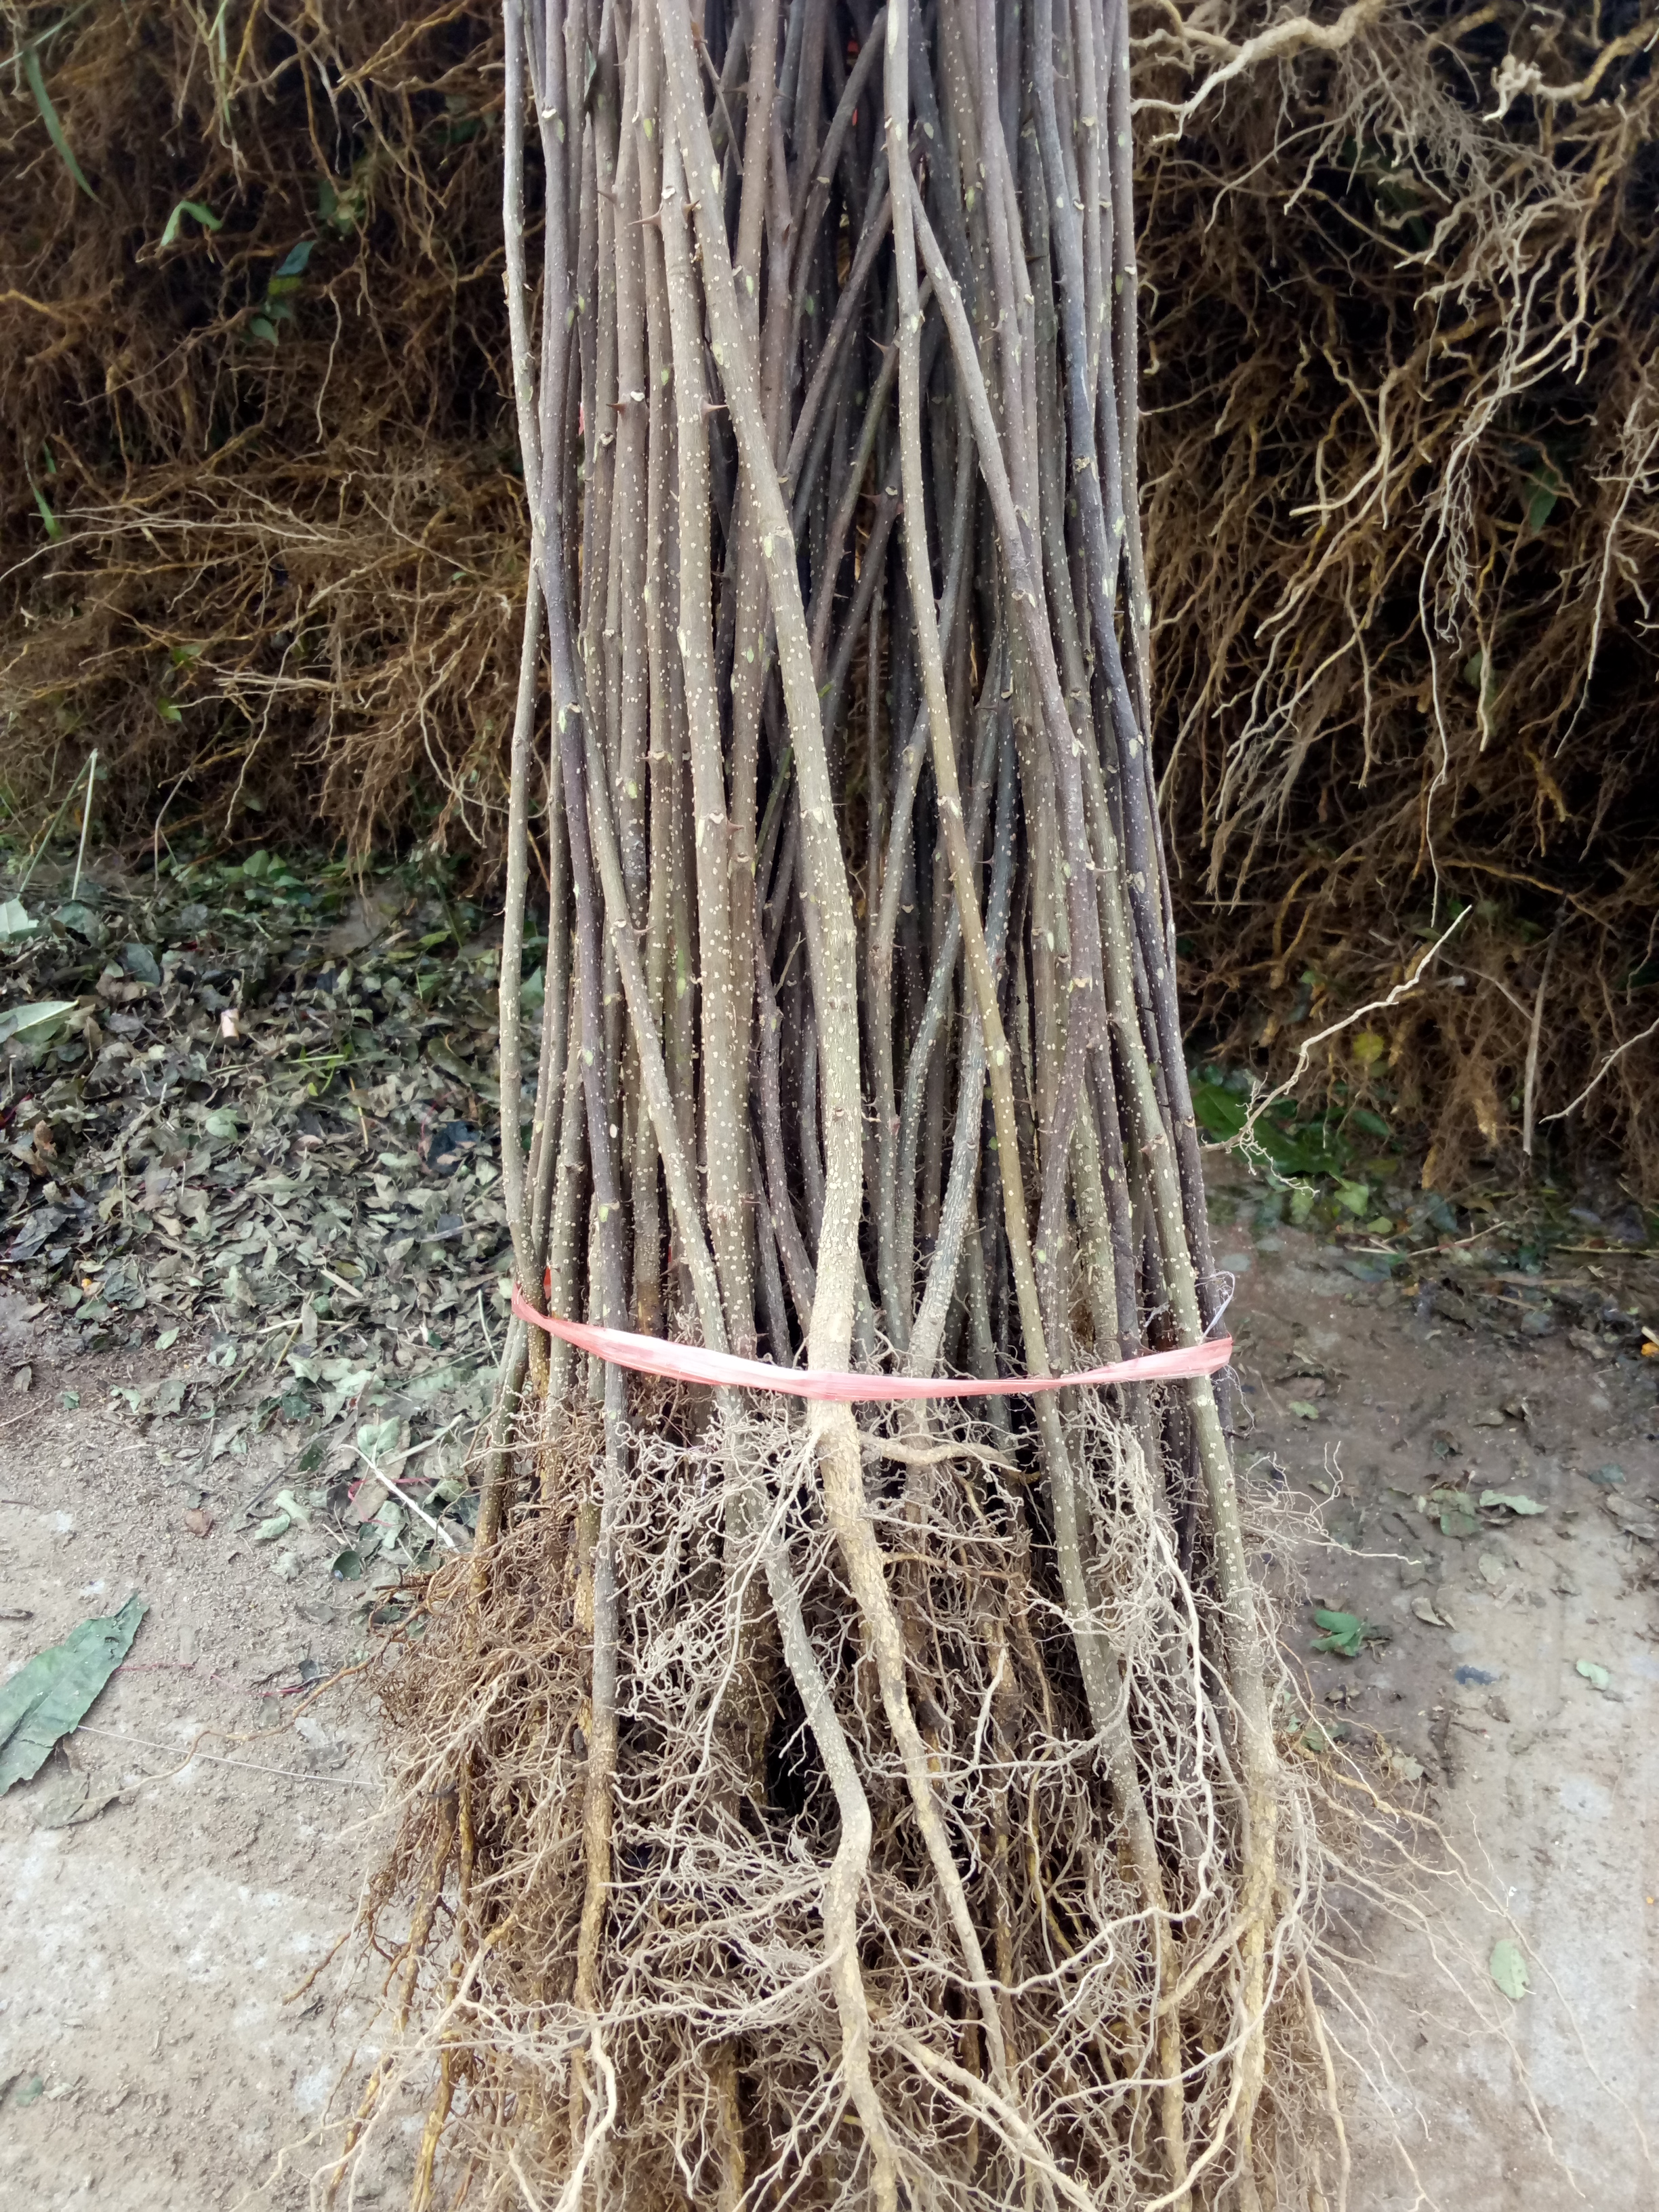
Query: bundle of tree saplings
[[809, 1802]]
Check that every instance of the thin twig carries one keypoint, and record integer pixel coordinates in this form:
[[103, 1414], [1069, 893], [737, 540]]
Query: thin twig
[[1401, 990], [1605, 1069]]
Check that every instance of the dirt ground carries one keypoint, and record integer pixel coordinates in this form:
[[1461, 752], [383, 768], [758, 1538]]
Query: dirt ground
[[1542, 1779], [152, 2053]]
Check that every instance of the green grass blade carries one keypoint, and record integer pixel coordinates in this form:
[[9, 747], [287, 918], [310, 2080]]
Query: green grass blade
[[204, 216], [54, 527], [49, 117]]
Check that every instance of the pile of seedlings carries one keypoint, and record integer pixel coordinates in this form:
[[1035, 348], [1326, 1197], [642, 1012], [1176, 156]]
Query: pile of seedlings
[[803, 1807], [259, 510]]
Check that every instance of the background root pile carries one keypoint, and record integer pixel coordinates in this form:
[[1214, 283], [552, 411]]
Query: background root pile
[[262, 534], [261, 502], [1402, 454]]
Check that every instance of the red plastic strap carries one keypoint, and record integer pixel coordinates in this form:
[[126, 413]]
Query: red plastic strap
[[691, 1362]]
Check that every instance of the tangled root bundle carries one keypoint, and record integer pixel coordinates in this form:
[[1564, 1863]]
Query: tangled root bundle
[[262, 537], [782, 1828], [714, 2069], [1401, 456]]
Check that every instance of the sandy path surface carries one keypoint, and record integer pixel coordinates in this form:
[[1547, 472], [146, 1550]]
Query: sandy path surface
[[151, 2047], [1545, 1786]]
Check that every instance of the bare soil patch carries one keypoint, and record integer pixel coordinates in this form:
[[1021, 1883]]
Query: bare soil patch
[[177, 1870]]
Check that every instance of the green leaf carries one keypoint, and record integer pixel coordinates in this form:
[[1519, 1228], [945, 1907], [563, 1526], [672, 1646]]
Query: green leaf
[[261, 326], [1345, 1632], [49, 117], [15, 921], [51, 1696], [37, 1022], [220, 1123], [1219, 1112], [1452, 1508], [204, 216], [1508, 1970], [75, 916], [1304, 1411], [54, 527], [1369, 1048], [1542, 490], [451, 1376], [1597, 1677], [268, 1531], [298, 256], [376, 1439], [1516, 1502]]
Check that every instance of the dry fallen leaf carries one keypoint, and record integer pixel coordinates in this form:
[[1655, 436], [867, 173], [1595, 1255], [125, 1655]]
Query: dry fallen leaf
[[142, 1240], [1423, 1607], [1633, 1517], [1398, 1764], [198, 1523]]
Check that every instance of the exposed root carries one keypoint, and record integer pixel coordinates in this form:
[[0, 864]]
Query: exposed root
[[954, 1993]]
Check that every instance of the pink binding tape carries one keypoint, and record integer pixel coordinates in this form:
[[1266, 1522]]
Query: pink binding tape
[[691, 1362]]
